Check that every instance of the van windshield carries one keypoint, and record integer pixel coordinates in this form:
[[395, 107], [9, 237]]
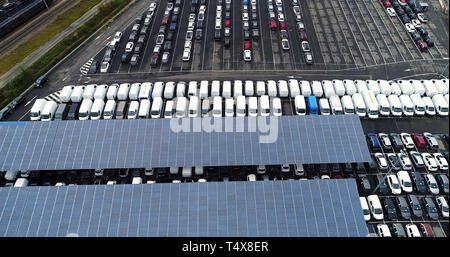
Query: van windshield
[[374, 112], [94, 114], [444, 109], [191, 111], [338, 111], [45, 116], [82, 114], [349, 110], [168, 113], [420, 108], [431, 108], [242, 111], [385, 109], [131, 113], [34, 114], [396, 109], [378, 211], [107, 113], [265, 111], [409, 109], [58, 116], [155, 112], [325, 110], [361, 110]]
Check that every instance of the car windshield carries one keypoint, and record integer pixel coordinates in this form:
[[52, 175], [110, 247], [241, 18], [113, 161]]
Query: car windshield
[[131, 113], [396, 109], [45, 116], [433, 185], [407, 184], [34, 114], [366, 212], [378, 211], [82, 114], [445, 208]]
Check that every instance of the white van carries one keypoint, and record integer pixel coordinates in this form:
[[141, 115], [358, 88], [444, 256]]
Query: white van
[[440, 104], [182, 105], [111, 94], [204, 89], [417, 86], [229, 107], [361, 85], [186, 172], [335, 105], [21, 182], [276, 106], [145, 90], [77, 94], [294, 88], [249, 88], [406, 87], [358, 103], [328, 88], [252, 106], [339, 87], [100, 92], [192, 88], [283, 88], [430, 88], [395, 88], [110, 109], [375, 207], [144, 109], [133, 110], [36, 110], [316, 87], [350, 87], [429, 106], [217, 107], [347, 104], [85, 109], [215, 88], [194, 107], [373, 85], [383, 104], [305, 88], [169, 109], [241, 107], [134, 91], [169, 90], [89, 91], [272, 88], [324, 106], [440, 86], [97, 109], [300, 105], [264, 105], [156, 108], [384, 86], [407, 105], [396, 106], [419, 106], [49, 111], [237, 88], [124, 89], [383, 230], [226, 89], [260, 88], [365, 208], [181, 89], [158, 89], [64, 96], [371, 104]]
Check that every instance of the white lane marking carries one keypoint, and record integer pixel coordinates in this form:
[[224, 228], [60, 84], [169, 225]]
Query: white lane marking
[[30, 101]]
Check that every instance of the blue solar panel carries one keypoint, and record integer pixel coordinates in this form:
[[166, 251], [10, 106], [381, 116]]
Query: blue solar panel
[[229, 209]]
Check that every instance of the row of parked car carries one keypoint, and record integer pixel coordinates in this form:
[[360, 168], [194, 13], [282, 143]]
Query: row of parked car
[[195, 23], [409, 230], [246, 18], [305, 46]]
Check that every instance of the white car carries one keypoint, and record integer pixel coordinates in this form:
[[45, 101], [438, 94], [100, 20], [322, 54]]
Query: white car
[[245, 16], [324, 177], [285, 168], [381, 161], [442, 205], [247, 55], [391, 12], [383, 230], [280, 17], [192, 17], [410, 27], [416, 23], [405, 181], [430, 162], [441, 161], [407, 140], [411, 229], [118, 37], [405, 161], [104, 67], [186, 55], [305, 46], [365, 208], [251, 177], [152, 6], [431, 183], [394, 185], [129, 47], [422, 18]]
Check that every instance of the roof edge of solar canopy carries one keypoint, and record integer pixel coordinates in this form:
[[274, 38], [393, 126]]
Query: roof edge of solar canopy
[[142, 143], [287, 208]]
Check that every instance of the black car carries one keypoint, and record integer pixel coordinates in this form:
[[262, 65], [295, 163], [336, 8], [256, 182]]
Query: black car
[[254, 24], [254, 16], [94, 67], [416, 207], [154, 60], [423, 32], [255, 34], [132, 37], [73, 111], [198, 34], [390, 209], [143, 31], [199, 25], [419, 182], [429, 41], [405, 19], [125, 57], [284, 34], [227, 15], [168, 46], [217, 35], [246, 35], [162, 29], [347, 167], [371, 166], [430, 207], [193, 8], [412, 15], [170, 36], [402, 205], [364, 183], [335, 169], [360, 168], [137, 48], [395, 4], [411, 3], [415, 36], [400, 12], [383, 188], [139, 19], [407, 8], [174, 18], [394, 162], [41, 81], [323, 169], [227, 42], [396, 141]]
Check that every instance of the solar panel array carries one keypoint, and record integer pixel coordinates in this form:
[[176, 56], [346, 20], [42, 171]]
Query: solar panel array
[[91, 144], [290, 208]]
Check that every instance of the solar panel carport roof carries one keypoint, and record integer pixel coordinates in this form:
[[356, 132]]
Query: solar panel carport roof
[[289, 208], [92, 144]]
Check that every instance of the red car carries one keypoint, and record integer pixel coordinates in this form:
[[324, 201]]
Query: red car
[[273, 24], [282, 25], [247, 45], [422, 45], [419, 140], [387, 4], [164, 20], [303, 36], [426, 230], [337, 177], [227, 23]]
